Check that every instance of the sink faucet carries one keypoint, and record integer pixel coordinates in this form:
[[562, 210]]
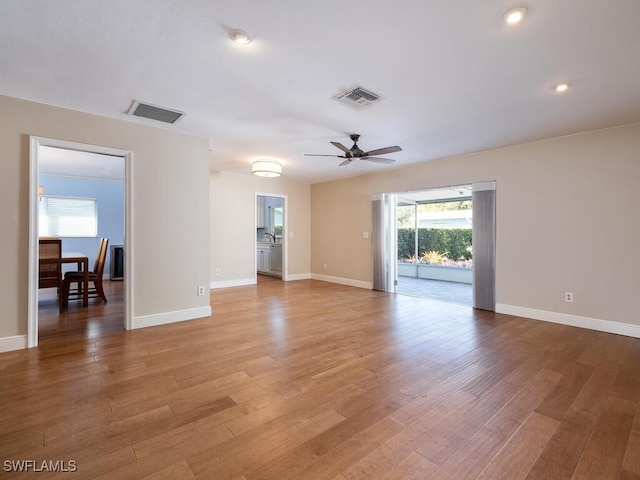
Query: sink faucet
[[271, 236]]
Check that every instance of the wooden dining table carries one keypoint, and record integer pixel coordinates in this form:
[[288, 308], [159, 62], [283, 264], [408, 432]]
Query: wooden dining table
[[83, 266]]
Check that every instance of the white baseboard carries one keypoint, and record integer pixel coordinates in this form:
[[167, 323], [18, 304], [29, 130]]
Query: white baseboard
[[232, 283], [342, 281], [16, 342], [170, 317], [572, 320], [298, 276], [252, 281]]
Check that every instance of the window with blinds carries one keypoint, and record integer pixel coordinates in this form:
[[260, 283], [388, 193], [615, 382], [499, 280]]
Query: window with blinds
[[68, 217]]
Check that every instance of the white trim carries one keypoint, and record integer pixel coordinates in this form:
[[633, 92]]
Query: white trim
[[342, 281], [170, 317], [32, 297], [232, 283], [607, 326], [298, 276], [17, 342], [32, 292], [213, 285]]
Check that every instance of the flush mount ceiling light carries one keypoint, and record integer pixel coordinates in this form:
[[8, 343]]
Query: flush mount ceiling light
[[240, 37], [266, 168], [515, 15], [562, 87]]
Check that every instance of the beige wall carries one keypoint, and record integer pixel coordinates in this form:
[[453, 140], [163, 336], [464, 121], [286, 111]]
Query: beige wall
[[233, 228], [567, 220], [169, 210], [566, 216]]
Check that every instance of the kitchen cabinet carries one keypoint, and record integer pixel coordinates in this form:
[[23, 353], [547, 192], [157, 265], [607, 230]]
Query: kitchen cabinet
[[263, 258], [269, 259]]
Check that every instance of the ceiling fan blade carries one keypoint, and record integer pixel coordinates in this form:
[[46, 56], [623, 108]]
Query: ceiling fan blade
[[321, 155], [378, 160], [340, 146], [383, 151], [346, 162]]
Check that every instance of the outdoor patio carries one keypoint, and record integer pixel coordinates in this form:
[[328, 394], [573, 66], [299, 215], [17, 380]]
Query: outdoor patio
[[436, 289]]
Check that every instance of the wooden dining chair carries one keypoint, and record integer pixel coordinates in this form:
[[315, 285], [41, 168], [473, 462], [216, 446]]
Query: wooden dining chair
[[95, 276], [50, 269]]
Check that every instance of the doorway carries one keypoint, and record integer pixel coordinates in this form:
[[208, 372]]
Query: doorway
[[98, 179], [434, 244], [271, 244], [423, 255]]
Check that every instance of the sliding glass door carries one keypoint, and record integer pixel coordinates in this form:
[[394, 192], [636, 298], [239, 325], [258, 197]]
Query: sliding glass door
[[437, 216]]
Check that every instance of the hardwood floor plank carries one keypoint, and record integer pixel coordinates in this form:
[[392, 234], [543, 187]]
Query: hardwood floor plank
[[179, 470], [631, 463], [605, 350], [310, 380], [560, 399], [399, 447], [441, 446], [259, 454], [588, 404], [523, 404], [438, 392], [521, 451], [414, 467], [605, 451], [564, 450], [468, 462], [562, 453], [100, 465], [348, 451], [627, 383]]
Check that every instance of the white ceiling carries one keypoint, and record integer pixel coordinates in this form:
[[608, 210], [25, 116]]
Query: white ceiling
[[61, 162], [454, 78]]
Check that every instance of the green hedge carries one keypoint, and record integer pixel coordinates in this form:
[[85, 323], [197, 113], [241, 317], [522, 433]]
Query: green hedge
[[454, 241]]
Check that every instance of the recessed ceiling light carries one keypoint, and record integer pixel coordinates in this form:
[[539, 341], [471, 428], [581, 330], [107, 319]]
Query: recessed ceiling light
[[515, 15], [241, 37], [562, 87]]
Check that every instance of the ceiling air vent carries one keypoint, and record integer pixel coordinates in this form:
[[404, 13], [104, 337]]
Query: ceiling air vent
[[161, 114], [357, 98]]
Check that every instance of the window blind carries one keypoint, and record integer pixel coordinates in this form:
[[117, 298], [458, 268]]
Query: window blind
[[68, 216]]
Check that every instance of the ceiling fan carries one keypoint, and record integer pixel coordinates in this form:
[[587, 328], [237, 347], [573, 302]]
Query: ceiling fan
[[355, 153]]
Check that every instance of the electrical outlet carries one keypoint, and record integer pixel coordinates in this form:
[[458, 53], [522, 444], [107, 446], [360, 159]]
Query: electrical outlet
[[568, 297], [365, 234], [217, 271], [200, 290], [324, 266]]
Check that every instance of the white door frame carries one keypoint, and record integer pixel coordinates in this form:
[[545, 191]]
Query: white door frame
[[285, 234], [34, 146]]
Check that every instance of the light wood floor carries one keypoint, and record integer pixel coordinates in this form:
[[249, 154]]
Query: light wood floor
[[309, 380]]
